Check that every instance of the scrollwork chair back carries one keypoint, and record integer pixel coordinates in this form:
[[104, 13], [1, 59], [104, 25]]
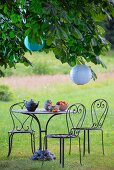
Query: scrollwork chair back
[[99, 110], [21, 124], [75, 118]]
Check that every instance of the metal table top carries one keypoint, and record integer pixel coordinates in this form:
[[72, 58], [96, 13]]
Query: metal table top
[[38, 111]]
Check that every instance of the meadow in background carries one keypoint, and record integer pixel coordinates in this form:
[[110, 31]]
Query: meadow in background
[[43, 63]]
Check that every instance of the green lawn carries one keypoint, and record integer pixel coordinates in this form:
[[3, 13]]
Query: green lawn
[[60, 90]]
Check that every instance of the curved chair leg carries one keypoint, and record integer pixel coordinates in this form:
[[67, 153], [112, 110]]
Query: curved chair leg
[[84, 143], [102, 142], [62, 152], [33, 142], [80, 151], [70, 147], [88, 142], [10, 144]]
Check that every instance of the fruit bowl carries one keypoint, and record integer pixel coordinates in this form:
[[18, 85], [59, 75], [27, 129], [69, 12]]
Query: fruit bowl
[[63, 105]]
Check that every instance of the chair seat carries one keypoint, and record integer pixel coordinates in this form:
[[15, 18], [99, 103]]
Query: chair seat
[[21, 131], [60, 136], [89, 128]]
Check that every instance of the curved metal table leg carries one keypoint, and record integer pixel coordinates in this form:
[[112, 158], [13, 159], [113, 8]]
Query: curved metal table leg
[[40, 153]]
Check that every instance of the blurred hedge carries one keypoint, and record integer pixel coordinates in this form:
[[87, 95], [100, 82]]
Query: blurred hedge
[[5, 93]]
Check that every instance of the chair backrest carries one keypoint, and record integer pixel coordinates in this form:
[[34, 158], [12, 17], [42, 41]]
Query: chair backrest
[[99, 110], [20, 121], [75, 117]]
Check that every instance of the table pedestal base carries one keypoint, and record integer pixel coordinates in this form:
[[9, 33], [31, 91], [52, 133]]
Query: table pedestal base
[[40, 154]]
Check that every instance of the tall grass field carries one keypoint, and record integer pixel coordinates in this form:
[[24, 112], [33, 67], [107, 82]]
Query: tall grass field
[[58, 87]]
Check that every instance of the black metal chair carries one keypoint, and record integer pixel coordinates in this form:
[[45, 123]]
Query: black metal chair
[[21, 124], [99, 110], [75, 116]]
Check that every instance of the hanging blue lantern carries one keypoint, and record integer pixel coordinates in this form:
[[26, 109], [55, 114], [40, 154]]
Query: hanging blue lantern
[[33, 46], [80, 74]]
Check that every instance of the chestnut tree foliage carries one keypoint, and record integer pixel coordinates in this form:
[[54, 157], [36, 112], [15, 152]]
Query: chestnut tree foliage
[[70, 28]]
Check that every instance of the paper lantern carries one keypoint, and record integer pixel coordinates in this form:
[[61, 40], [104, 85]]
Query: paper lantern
[[80, 74], [33, 46]]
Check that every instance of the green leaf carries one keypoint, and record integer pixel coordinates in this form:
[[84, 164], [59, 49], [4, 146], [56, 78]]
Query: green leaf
[[99, 61], [76, 33], [11, 34], [72, 60], [15, 18], [103, 40], [1, 73], [1, 6], [80, 60], [108, 15], [6, 9], [100, 30], [49, 41], [64, 34], [26, 61], [98, 17], [4, 36], [94, 76], [93, 42], [10, 46]]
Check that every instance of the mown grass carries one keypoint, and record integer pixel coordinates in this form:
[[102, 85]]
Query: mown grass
[[60, 90]]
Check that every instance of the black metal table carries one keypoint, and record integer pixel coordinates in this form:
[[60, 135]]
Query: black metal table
[[39, 153]]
